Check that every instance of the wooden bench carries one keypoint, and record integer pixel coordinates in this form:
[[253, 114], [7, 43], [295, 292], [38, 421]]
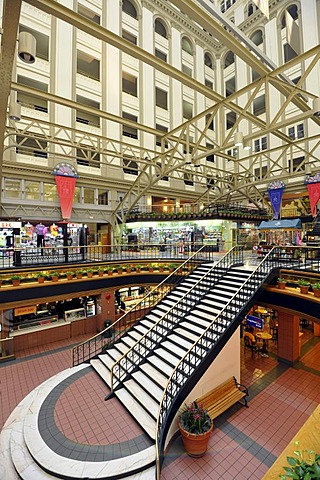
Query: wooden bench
[[220, 398]]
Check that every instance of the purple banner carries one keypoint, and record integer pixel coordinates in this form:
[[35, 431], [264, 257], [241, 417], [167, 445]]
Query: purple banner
[[275, 196]]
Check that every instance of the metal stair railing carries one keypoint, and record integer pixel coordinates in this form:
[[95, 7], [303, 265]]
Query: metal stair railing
[[136, 354], [93, 346], [207, 342]]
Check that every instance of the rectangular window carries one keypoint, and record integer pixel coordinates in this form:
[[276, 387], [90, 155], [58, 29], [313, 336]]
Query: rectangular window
[[187, 70], [209, 118], [187, 109], [49, 192], [128, 131], [86, 117], [260, 173], [32, 190], [76, 196], [29, 100], [288, 53], [161, 98], [88, 157], [102, 197], [259, 105], [130, 166], [32, 146], [161, 55], [128, 36], [260, 144], [188, 179], [210, 158], [158, 138], [129, 84], [88, 65], [291, 133], [296, 164], [87, 13], [231, 118], [230, 86], [88, 196], [300, 130], [208, 84], [12, 188]]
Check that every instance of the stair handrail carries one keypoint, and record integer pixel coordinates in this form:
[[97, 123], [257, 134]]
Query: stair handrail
[[94, 344], [235, 254], [188, 367]]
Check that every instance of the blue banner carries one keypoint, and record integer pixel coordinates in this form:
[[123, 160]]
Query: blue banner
[[255, 322], [275, 196]]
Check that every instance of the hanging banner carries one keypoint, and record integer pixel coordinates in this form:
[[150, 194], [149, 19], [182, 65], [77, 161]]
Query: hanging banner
[[66, 177], [313, 185], [276, 199]]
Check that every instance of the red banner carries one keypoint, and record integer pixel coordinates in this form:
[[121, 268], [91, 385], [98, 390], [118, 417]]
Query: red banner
[[314, 196], [65, 188]]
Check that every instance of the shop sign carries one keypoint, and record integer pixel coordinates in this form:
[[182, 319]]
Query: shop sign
[[10, 224], [75, 225], [25, 310], [255, 322]]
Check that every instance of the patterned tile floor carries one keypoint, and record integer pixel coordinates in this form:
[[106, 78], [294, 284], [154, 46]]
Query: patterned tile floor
[[245, 442]]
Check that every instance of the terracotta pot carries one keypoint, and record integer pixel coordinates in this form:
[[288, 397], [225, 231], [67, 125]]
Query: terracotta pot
[[40, 279], [100, 274], [79, 275], [55, 278], [90, 274], [304, 289], [281, 285], [69, 277], [110, 273], [138, 270], [316, 293], [195, 445], [120, 272], [15, 283]]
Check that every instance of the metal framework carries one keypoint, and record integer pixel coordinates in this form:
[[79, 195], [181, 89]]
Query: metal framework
[[244, 177]]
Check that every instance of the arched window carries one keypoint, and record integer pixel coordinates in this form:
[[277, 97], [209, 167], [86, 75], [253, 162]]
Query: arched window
[[251, 9], [186, 45], [129, 8], [257, 38], [293, 11], [160, 29], [229, 59], [208, 60]]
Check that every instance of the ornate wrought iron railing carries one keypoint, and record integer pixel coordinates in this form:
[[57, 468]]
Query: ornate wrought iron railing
[[95, 345]]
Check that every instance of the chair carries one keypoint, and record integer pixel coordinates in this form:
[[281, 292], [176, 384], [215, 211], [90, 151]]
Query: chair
[[274, 330], [248, 344]]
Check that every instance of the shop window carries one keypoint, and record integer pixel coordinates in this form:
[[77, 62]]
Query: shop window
[[259, 105], [161, 98], [160, 28], [49, 192], [158, 138], [296, 164], [88, 195], [88, 157], [158, 53], [87, 13], [129, 36], [42, 42], [12, 188], [187, 109], [32, 146], [188, 179], [32, 190], [130, 166], [102, 197], [129, 8], [85, 117], [88, 65], [127, 130], [76, 196], [186, 45], [129, 84], [230, 86], [231, 118]]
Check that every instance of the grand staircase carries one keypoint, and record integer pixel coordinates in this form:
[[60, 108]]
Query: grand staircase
[[151, 369]]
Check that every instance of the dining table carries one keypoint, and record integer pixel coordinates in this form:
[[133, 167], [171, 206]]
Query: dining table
[[265, 337]]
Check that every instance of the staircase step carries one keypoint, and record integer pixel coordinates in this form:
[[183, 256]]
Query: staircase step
[[134, 334], [172, 347], [102, 370], [160, 364], [143, 418], [153, 373], [193, 337], [180, 340], [155, 392], [167, 357], [143, 397]]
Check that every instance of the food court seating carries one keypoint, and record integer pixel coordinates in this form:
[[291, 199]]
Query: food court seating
[[249, 345]]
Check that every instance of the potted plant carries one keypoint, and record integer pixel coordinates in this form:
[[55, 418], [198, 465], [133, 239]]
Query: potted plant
[[172, 267], [195, 427], [316, 289], [69, 275], [281, 283], [110, 270], [40, 276], [119, 269], [90, 272], [79, 273], [54, 276], [15, 279], [138, 268], [150, 268], [304, 285], [304, 465], [100, 271]]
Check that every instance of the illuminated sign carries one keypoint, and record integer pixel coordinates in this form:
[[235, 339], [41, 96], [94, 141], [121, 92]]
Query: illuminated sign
[[25, 310], [255, 322]]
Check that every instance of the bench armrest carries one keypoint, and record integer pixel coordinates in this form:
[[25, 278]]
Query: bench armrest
[[241, 387]]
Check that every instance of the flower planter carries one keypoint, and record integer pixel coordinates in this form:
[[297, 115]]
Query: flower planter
[[195, 445], [55, 278], [90, 274], [316, 293], [40, 279], [304, 289], [79, 275], [100, 274], [281, 285], [69, 277], [110, 272], [15, 283]]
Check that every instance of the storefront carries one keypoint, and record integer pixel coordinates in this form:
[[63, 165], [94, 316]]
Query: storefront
[[51, 234], [281, 232]]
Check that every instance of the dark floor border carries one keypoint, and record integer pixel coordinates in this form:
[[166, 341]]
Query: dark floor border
[[61, 445]]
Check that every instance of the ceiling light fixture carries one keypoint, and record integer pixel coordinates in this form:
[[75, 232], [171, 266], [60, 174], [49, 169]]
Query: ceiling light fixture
[[27, 47], [246, 145], [316, 107], [15, 111]]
